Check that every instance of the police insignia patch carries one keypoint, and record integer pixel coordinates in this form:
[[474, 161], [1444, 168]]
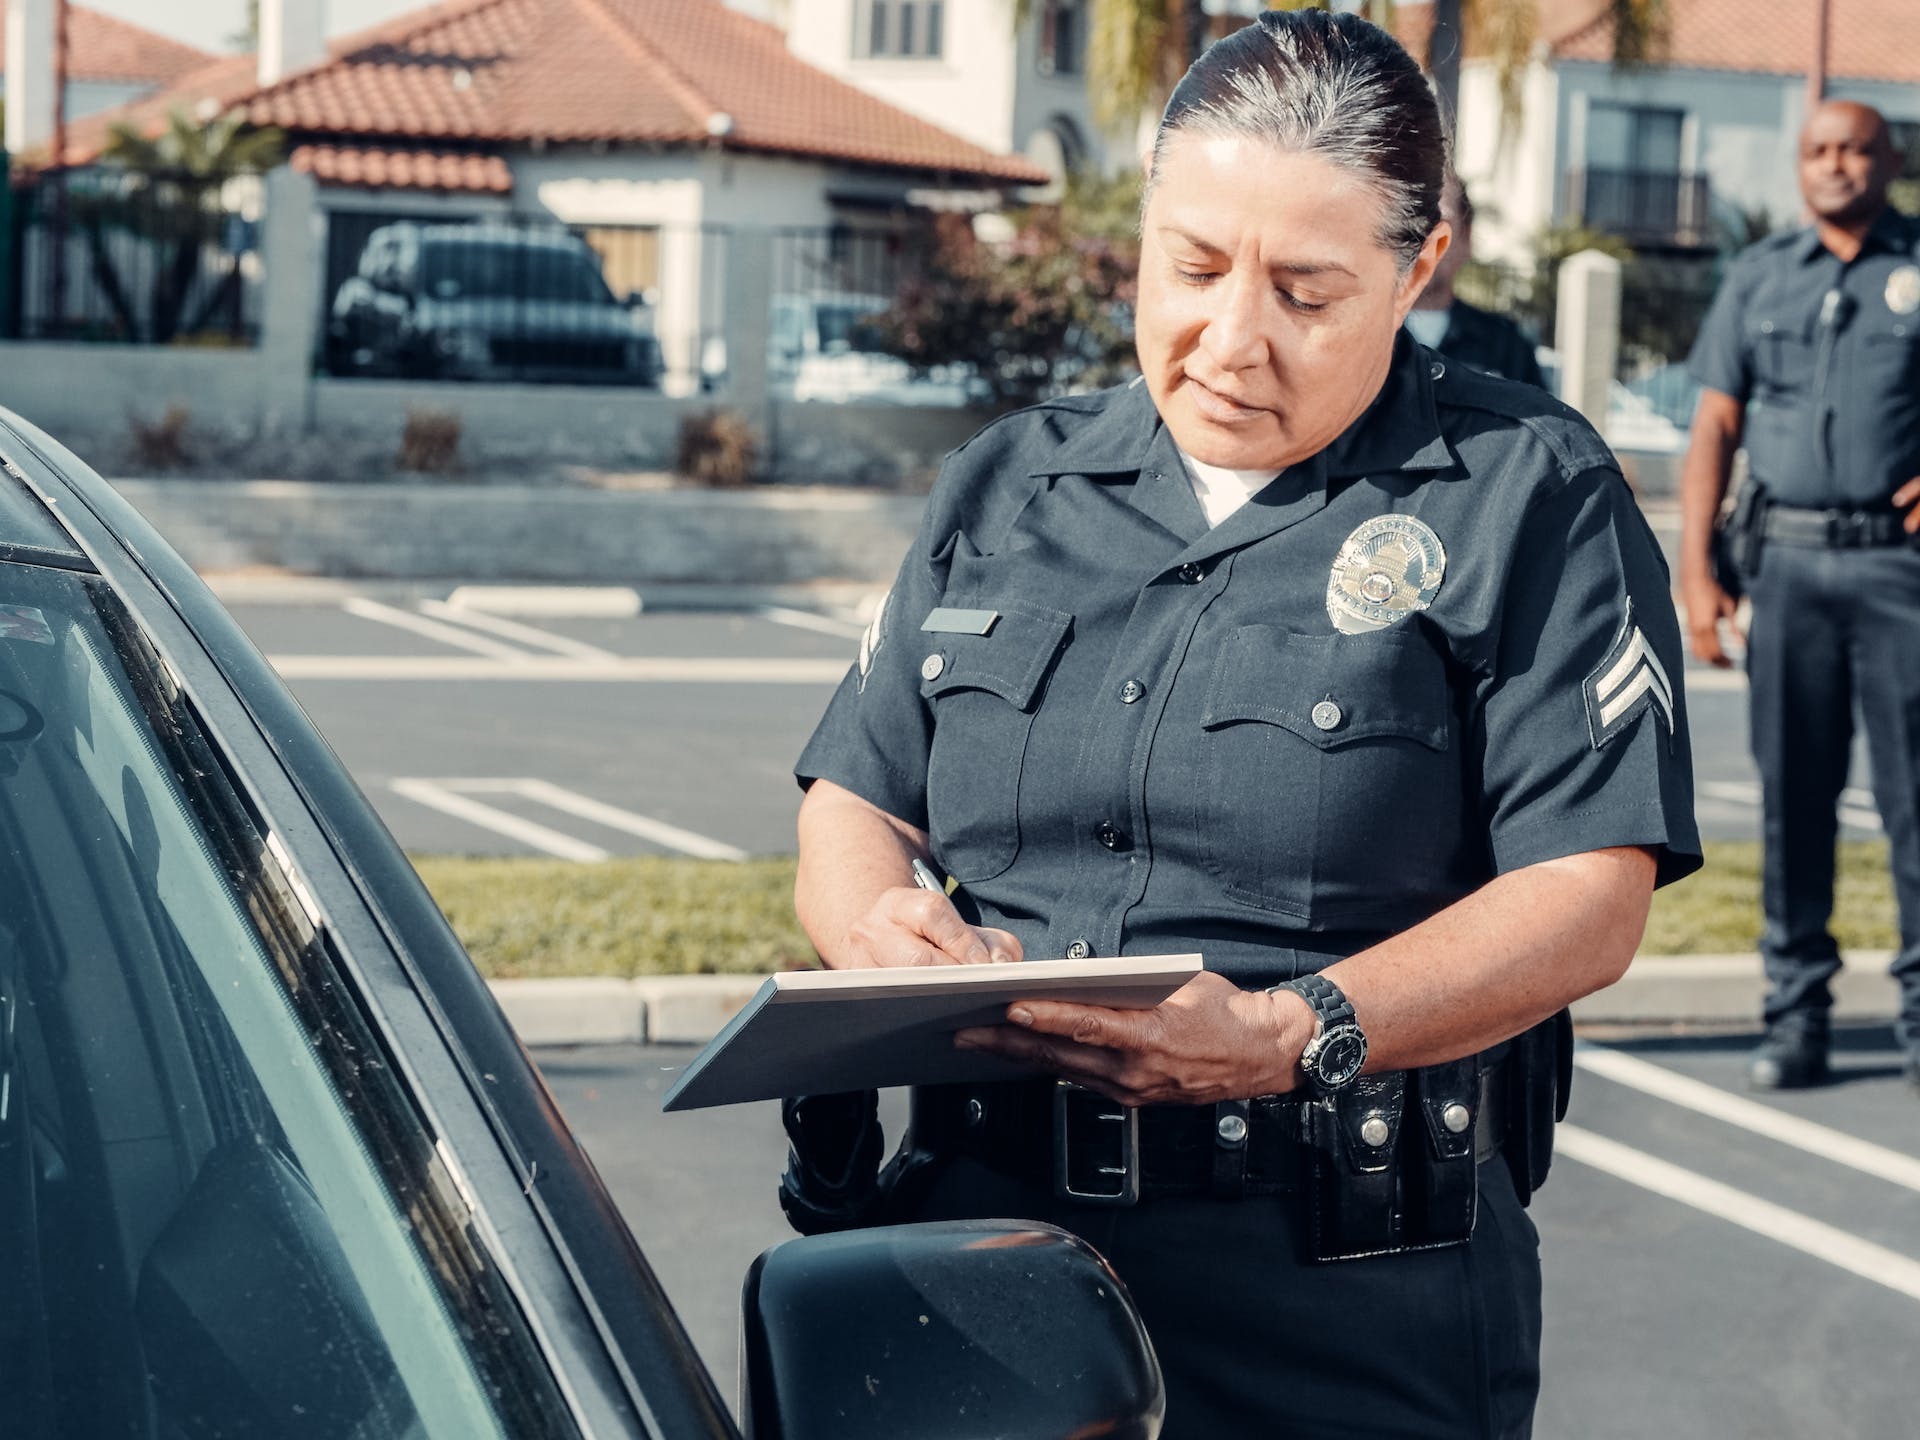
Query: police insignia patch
[[1628, 680], [870, 642], [1903, 290], [1387, 569]]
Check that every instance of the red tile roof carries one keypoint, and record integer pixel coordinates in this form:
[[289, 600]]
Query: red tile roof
[[101, 47], [380, 169], [660, 72], [1866, 39]]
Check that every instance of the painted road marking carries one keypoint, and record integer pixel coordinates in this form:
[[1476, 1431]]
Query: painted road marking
[[438, 668], [454, 797], [514, 630], [446, 634], [806, 620], [1710, 1100], [1856, 806], [1706, 677], [552, 602], [1899, 1273], [439, 797]]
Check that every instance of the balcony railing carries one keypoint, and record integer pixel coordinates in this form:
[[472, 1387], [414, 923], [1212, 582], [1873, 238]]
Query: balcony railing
[[1643, 207]]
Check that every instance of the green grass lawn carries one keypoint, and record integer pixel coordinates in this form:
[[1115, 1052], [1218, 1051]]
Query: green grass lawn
[[659, 915]]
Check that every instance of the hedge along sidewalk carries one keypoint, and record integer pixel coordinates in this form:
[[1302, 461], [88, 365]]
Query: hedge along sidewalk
[[611, 932]]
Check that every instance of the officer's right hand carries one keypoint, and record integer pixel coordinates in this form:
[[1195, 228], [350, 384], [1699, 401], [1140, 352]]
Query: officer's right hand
[[1707, 605], [911, 926]]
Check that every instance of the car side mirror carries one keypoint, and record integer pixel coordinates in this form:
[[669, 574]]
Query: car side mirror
[[955, 1329]]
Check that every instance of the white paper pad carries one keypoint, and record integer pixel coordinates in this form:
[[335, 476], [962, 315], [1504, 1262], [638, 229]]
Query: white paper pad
[[818, 1032]]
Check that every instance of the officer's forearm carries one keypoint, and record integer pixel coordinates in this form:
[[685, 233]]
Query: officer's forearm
[[850, 852], [1503, 959], [1717, 426]]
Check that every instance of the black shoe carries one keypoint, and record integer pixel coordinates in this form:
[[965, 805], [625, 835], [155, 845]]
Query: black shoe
[[1792, 1055]]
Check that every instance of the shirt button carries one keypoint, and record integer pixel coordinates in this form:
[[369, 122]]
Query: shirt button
[[1192, 574], [1131, 691], [1766, 327], [1079, 950], [1438, 371], [931, 667], [1110, 835], [1326, 715]]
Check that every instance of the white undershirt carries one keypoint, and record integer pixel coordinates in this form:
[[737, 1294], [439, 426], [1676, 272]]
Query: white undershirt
[[1429, 327], [1221, 491]]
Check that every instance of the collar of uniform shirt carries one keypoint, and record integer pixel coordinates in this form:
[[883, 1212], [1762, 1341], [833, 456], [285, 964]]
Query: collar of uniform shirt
[[1399, 431], [1892, 231]]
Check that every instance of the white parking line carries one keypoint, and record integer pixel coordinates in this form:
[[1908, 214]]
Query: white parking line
[[539, 837], [1702, 678], [1856, 806], [525, 667], [446, 634], [806, 620], [514, 630], [578, 602], [614, 818], [1710, 1100], [1899, 1273]]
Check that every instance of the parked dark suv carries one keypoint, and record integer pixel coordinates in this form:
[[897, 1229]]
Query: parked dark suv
[[487, 302]]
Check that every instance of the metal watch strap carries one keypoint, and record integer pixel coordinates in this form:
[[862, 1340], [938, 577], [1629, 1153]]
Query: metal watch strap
[[1330, 1007]]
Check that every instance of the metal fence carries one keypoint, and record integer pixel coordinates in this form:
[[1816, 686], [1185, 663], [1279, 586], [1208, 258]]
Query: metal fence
[[111, 254], [517, 298]]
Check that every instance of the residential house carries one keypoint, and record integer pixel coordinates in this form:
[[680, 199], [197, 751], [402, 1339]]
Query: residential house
[[109, 61], [1684, 156], [660, 121]]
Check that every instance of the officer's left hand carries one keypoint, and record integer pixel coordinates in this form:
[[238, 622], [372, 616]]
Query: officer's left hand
[[1208, 1041], [1909, 495]]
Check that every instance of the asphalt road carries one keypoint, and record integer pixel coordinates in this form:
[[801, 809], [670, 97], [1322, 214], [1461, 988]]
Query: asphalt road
[[1715, 1267], [475, 733]]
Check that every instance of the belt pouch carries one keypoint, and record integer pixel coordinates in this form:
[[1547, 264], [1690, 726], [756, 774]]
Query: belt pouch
[[1354, 1202], [1538, 1072], [1443, 1184], [1747, 531]]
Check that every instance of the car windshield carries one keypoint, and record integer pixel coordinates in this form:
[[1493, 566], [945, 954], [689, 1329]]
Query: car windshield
[[849, 327], [508, 270], [220, 1214]]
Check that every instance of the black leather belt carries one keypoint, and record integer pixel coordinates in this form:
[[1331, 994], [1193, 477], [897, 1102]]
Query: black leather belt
[[1834, 529], [1091, 1150]]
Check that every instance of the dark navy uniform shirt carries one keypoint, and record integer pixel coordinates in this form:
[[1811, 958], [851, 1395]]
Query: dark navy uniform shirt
[[1162, 743], [1827, 354], [1492, 342]]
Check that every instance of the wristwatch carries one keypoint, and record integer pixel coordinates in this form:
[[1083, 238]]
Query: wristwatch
[[1334, 1056]]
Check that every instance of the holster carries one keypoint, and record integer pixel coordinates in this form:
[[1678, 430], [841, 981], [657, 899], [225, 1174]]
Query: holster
[[833, 1161], [1738, 538], [1539, 1085], [1390, 1173]]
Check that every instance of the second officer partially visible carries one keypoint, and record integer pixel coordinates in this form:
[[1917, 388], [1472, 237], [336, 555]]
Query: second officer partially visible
[[1811, 355], [1442, 321]]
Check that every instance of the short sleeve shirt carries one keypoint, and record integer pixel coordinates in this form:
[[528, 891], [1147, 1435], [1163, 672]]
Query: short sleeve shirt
[[1127, 732], [1826, 355]]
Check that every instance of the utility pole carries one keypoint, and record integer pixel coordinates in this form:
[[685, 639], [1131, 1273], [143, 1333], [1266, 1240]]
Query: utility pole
[[58, 306], [1817, 69]]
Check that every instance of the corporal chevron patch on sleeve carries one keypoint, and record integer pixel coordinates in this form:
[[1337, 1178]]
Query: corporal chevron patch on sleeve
[[1628, 680]]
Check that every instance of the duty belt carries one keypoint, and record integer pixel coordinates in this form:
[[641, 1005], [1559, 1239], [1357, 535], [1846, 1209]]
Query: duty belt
[[1834, 529], [1094, 1151]]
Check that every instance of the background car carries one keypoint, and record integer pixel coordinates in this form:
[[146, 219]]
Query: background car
[[487, 302], [272, 1163], [824, 347]]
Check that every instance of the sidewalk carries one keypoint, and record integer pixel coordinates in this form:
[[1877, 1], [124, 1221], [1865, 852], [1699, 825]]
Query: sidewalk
[[691, 1009]]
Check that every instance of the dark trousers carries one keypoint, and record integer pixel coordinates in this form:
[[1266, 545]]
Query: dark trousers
[[1257, 1343], [1833, 631]]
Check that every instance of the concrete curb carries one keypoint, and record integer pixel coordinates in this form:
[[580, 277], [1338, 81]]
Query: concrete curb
[[692, 1009]]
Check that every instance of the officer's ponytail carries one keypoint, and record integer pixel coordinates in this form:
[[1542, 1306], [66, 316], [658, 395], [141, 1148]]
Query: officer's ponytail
[[1328, 85]]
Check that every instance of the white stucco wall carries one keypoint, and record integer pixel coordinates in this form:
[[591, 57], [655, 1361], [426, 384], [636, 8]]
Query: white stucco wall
[[1512, 170]]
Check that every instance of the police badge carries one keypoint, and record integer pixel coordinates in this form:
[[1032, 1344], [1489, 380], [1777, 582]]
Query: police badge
[[1903, 290], [1387, 569]]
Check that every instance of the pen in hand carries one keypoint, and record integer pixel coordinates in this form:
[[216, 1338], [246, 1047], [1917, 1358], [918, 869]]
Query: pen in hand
[[924, 877]]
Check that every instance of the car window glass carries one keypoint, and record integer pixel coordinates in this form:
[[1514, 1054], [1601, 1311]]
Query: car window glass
[[512, 271], [206, 1225]]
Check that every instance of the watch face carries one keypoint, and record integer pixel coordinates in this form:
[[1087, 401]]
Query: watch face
[[1343, 1050]]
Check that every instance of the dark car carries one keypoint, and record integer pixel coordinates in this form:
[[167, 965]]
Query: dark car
[[272, 1164], [487, 302]]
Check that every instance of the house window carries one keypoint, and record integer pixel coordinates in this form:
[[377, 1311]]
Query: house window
[[1634, 139], [1063, 33], [899, 29]]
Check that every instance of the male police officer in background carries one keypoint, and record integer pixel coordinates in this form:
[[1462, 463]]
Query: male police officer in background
[[1819, 330], [1461, 331]]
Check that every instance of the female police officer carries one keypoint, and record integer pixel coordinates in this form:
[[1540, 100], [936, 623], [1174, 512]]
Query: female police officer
[[1349, 669]]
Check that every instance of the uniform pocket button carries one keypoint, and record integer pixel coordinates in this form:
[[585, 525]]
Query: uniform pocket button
[[1327, 715], [1079, 950], [931, 667]]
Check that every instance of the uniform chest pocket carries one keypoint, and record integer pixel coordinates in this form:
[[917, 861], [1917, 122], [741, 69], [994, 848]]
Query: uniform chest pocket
[[983, 691], [1782, 348], [1331, 779]]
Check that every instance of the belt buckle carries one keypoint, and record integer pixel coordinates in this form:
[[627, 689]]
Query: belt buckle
[[1114, 1177], [1847, 529]]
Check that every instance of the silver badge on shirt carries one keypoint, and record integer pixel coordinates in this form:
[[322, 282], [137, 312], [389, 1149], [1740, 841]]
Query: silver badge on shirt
[[1387, 569], [1903, 290]]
